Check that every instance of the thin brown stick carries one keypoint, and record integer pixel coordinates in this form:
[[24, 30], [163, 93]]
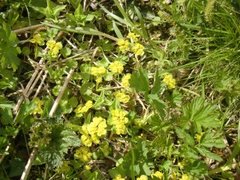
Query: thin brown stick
[[29, 164], [56, 102], [23, 30], [40, 85], [29, 84], [34, 83]]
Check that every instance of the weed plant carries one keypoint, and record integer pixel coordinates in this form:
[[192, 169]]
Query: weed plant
[[119, 89]]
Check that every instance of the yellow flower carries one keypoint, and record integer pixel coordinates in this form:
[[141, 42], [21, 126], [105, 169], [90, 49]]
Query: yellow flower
[[83, 154], [116, 67], [98, 71], [142, 177], [125, 80], [51, 44], [99, 126], [119, 121], [158, 175], [121, 128], [37, 39], [123, 45], [185, 177], [198, 137], [132, 36], [54, 47], [87, 167], [169, 81], [118, 177], [38, 106], [122, 97], [80, 110], [138, 49], [91, 133], [86, 140]]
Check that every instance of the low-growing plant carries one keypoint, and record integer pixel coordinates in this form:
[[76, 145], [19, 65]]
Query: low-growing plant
[[119, 90]]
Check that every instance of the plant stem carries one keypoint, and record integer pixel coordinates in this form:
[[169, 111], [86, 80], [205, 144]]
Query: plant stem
[[29, 164]]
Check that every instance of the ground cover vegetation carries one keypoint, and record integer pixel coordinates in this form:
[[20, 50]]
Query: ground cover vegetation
[[121, 89]]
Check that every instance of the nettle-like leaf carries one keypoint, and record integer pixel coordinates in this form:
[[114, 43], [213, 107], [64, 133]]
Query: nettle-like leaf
[[201, 115], [8, 48], [62, 139]]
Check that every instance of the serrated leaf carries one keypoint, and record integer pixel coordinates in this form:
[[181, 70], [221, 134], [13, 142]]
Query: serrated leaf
[[211, 139], [201, 114], [62, 139], [209, 154], [139, 81]]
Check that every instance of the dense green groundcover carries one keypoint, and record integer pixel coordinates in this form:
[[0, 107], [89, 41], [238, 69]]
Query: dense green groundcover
[[119, 89]]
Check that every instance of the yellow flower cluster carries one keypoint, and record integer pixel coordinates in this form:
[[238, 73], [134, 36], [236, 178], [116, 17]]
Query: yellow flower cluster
[[169, 81], [98, 72], [118, 121], [125, 80], [54, 47], [38, 106], [123, 45], [83, 154], [185, 177], [37, 39], [142, 177], [138, 49], [133, 36], [122, 97], [80, 110], [91, 133], [135, 47], [157, 174], [116, 67], [118, 177]]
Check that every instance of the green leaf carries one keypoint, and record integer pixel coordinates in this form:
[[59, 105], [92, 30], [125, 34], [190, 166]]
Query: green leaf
[[25, 109], [209, 154], [117, 31], [100, 100], [211, 139], [156, 85], [139, 81], [8, 48], [51, 11], [66, 51], [157, 104], [62, 139], [119, 19], [182, 134], [201, 114]]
